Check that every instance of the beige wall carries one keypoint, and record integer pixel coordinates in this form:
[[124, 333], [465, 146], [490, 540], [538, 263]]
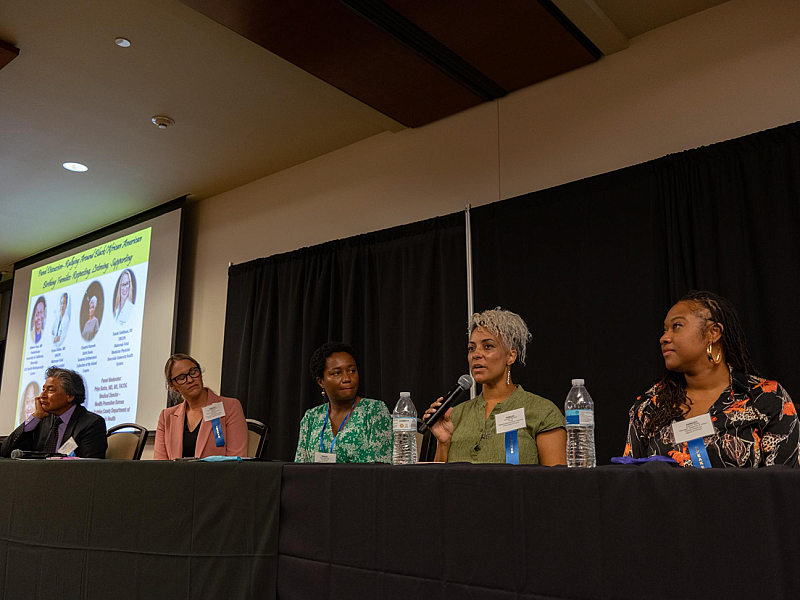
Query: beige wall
[[720, 74]]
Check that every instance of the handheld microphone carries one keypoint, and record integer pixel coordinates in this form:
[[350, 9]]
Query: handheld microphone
[[464, 383], [29, 454]]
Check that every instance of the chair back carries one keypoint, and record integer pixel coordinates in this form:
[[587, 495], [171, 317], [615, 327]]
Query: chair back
[[257, 437], [426, 445], [126, 445]]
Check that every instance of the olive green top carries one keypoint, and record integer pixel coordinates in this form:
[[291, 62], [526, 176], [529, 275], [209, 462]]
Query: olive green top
[[474, 438]]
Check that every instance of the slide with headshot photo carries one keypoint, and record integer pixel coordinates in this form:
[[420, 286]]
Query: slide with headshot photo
[[60, 320], [38, 321], [83, 316]]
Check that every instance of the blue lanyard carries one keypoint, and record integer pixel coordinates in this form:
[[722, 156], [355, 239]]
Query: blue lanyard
[[327, 414]]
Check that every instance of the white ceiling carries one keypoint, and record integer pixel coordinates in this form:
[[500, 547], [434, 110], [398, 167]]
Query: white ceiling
[[240, 112]]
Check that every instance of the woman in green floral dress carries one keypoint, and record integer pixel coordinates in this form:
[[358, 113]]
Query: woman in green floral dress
[[347, 428]]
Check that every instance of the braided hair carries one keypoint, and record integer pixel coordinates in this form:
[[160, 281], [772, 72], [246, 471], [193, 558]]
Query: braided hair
[[672, 399]]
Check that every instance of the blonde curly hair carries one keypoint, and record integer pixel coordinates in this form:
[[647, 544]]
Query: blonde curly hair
[[506, 325]]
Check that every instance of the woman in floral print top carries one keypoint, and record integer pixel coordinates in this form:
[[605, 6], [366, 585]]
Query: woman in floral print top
[[709, 371], [352, 428]]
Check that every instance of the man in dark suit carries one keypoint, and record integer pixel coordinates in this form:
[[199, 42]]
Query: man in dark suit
[[59, 421]]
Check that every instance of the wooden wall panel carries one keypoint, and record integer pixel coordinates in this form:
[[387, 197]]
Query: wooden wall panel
[[7, 53], [413, 60]]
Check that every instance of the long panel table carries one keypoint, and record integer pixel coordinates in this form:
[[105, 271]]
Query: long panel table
[[149, 530], [502, 532], [146, 530]]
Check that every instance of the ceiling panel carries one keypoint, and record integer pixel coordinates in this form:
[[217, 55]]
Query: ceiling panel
[[515, 43], [329, 40], [7, 53], [414, 60], [635, 17]]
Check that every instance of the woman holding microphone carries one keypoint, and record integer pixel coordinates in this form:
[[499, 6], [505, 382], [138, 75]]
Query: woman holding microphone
[[468, 432]]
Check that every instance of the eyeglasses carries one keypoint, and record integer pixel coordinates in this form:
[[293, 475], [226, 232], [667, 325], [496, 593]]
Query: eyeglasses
[[194, 373]]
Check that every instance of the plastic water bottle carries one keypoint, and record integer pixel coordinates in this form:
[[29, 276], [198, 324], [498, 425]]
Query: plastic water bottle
[[404, 425], [579, 410]]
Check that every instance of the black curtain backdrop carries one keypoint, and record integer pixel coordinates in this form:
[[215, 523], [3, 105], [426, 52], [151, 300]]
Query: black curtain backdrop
[[732, 218], [398, 296], [580, 263], [593, 266]]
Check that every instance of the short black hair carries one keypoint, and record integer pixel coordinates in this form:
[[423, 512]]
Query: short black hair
[[71, 383], [320, 357]]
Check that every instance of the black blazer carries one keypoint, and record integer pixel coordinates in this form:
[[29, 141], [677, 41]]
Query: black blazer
[[87, 428]]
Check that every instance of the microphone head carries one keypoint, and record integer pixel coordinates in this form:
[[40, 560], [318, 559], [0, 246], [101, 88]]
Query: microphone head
[[17, 453], [466, 382]]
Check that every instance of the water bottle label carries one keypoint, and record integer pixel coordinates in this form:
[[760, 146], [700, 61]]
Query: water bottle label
[[404, 424], [580, 417]]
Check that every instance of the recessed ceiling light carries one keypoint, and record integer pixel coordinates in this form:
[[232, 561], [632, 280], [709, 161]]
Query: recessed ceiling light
[[73, 166], [122, 42], [162, 121]]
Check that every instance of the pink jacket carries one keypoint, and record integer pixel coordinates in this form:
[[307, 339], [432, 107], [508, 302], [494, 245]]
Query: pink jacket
[[169, 435]]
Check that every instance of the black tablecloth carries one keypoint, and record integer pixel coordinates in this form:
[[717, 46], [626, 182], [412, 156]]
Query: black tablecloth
[[139, 529], [502, 532], [150, 530]]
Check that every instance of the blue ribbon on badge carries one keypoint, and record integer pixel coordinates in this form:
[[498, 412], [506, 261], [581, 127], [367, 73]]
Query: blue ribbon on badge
[[216, 427], [697, 450], [512, 447]]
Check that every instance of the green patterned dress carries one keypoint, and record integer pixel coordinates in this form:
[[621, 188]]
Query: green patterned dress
[[365, 438]]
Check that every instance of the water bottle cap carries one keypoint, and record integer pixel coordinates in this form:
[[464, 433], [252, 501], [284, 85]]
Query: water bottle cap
[[405, 394], [577, 382]]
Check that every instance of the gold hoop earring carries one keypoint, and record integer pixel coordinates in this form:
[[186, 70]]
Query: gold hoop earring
[[710, 354]]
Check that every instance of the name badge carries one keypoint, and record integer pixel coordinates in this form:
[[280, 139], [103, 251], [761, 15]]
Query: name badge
[[510, 421], [68, 447], [213, 411], [324, 457], [692, 429]]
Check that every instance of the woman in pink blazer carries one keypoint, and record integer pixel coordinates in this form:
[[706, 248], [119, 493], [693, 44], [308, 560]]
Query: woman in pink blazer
[[184, 431]]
